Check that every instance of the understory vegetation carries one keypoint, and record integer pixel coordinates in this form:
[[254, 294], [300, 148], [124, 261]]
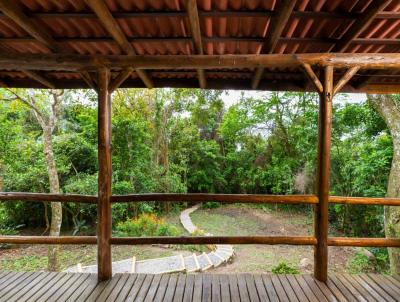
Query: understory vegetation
[[188, 140]]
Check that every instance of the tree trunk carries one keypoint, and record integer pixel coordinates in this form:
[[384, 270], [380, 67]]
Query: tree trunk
[[389, 109], [56, 208]]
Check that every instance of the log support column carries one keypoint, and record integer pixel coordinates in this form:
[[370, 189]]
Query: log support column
[[323, 170], [104, 264]]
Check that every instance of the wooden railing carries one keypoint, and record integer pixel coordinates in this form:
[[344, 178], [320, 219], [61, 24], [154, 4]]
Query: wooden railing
[[223, 198]]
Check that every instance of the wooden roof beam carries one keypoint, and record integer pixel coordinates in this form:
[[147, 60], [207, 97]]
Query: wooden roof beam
[[111, 25], [360, 25], [41, 79], [193, 15], [313, 77], [277, 24], [345, 78], [76, 62], [120, 78], [12, 10]]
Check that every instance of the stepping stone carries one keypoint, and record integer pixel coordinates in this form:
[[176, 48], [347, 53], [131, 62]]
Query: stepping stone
[[215, 259], [223, 254], [163, 265], [204, 262], [224, 247], [191, 263]]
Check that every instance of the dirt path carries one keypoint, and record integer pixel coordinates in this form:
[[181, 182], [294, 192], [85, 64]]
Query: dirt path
[[262, 258]]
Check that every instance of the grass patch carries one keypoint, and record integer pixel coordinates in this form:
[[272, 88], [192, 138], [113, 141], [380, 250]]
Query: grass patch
[[221, 224]]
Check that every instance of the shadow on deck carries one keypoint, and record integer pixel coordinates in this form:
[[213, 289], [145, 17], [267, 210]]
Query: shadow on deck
[[45, 286]]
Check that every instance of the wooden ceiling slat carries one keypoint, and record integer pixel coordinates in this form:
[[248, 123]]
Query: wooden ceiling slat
[[360, 24], [111, 25], [14, 12], [191, 7], [212, 13], [277, 24]]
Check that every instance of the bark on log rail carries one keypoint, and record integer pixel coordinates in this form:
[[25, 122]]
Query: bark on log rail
[[39, 197], [198, 197], [226, 198], [365, 200], [332, 241], [270, 240], [48, 239], [364, 242], [73, 62]]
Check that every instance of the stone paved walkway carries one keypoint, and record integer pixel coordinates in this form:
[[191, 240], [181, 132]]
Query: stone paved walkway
[[193, 263]]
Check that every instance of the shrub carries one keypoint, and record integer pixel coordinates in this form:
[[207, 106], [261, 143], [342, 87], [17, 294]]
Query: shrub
[[284, 268], [211, 205], [145, 225]]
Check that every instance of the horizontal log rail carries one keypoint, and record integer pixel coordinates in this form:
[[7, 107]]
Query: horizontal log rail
[[267, 240], [225, 198], [364, 242], [76, 62], [199, 197], [22, 196]]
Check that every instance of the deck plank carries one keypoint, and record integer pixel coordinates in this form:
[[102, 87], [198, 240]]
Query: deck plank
[[22, 287], [180, 288], [109, 288], [27, 294], [279, 288], [323, 288], [377, 288], [80, 293], [272, 294], [198, 287], [225, 291], [188, 295], [314, 288], [45, 296], [12, 282], [251, 287], [144, 289], [384, 285], [162, 288], [307, 290], [126, 288], [363, 291], [206, 296], [136, 287], [243, 292], [287, 288], [349, 287], [169, 293], [50, 286], [78, 283], [234, 289], [61, 290], [262, 293], [296, 287], [153, 288]]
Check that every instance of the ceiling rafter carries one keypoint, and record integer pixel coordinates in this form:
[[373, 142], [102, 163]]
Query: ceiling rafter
[[277, 24], [14, 12], [102, 11], [360, 24], [193, 15]]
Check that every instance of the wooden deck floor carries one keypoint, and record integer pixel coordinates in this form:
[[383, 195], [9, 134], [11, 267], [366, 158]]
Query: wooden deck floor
[[201, 287]]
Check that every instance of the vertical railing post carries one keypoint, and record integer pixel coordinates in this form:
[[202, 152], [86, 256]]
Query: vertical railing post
[[104, 179], [323, 170]]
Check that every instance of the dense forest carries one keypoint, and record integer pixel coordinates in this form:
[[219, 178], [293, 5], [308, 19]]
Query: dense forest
[[186, 140]]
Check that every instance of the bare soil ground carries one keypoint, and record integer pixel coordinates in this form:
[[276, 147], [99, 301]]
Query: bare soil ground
[[234, 220]]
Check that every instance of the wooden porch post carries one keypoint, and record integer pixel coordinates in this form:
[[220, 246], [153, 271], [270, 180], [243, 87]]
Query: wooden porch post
[[323, 170], [104, 179]]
